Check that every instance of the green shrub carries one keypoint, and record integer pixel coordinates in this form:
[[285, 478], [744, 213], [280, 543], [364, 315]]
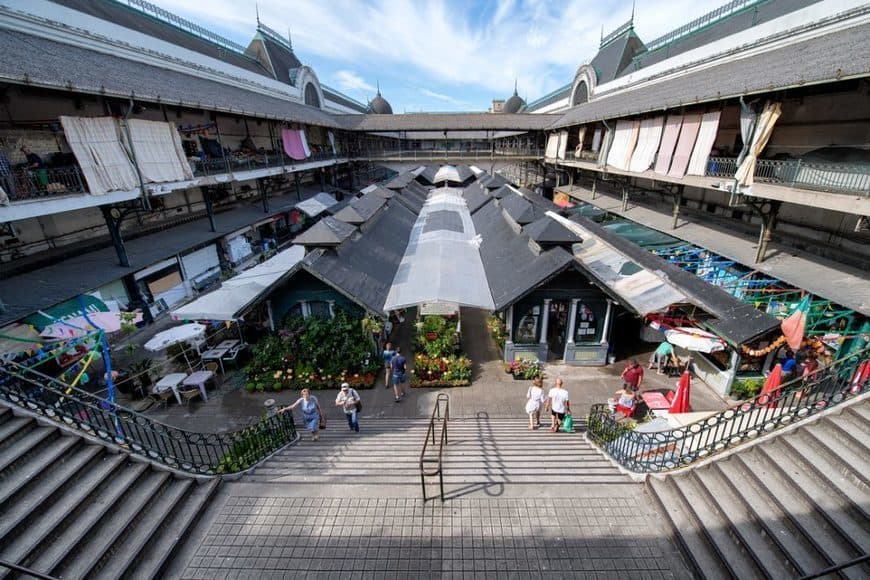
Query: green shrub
[[746, 388]]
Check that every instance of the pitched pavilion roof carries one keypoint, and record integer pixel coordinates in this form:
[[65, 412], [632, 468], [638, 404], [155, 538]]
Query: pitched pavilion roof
[[327, 232], [545, 230], [359, 210], [829, 58]]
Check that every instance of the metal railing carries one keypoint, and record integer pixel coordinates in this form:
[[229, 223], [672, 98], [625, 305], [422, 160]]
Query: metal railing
[[699, 23], [26, 572], [427, 154], [47, 182], [206, 167], [813, 175], [192, 452], [667, 450], [443, 418], [187, 25]]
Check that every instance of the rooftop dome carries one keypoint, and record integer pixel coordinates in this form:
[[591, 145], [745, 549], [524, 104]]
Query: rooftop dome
[[379, 105], [514, 104]]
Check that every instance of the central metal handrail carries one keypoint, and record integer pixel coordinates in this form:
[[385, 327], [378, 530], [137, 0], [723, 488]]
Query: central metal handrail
[[444, 417]]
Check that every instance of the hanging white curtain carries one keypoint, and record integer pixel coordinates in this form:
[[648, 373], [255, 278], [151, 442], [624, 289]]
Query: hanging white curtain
[[552, 146], [624, 141], [669, 142], [581, 135], [685, 144], [763, 129], [596, 140], [563, 144], [704, 144], [158, 151], [331, 137], [96, 143], [606, 145], [304, 140], [647, 144]]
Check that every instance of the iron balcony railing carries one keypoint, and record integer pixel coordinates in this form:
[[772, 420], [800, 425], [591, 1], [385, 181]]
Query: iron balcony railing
[[425, 154], [189, 451], [699, 23], [207, 167], [667, 450], [851, 178], [47, 182]]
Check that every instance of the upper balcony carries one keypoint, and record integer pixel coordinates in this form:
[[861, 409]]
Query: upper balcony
[[448, 154]]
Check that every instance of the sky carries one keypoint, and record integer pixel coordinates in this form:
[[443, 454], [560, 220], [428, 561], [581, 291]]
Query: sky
[[441, 55]]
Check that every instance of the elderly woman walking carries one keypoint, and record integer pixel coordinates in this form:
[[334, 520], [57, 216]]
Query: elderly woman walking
[[312, 417]]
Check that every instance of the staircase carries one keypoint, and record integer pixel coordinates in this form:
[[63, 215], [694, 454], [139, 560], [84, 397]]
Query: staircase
[[72, 509], [479, 452], [789, 506]]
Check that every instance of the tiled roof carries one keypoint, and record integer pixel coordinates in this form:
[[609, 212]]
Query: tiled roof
[[825, 59]]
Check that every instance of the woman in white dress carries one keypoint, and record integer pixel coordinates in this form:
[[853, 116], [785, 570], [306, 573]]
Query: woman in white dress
[[535, 399]]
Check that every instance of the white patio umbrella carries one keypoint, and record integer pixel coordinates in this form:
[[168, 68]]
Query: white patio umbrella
[[183, 333], [694, 339]]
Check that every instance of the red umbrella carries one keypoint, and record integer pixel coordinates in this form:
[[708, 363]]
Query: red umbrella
[[680, 404], [774, 379]]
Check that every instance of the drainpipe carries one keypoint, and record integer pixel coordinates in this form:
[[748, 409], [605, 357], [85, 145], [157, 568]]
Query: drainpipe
[[145, 201]]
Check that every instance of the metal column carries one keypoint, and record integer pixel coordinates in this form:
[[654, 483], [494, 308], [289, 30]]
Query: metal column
[[113, 222]]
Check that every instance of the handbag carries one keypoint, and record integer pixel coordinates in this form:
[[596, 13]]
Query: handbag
[[568, 424], [358, 405], [322, 422]]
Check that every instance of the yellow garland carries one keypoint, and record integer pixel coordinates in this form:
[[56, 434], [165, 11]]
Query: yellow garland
[[817, 345]]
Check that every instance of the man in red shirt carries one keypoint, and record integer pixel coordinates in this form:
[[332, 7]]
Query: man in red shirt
[[632, 376]]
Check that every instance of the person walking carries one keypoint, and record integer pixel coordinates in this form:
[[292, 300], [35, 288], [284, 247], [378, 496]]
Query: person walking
[[559, 404], [399, 366], [312, 416], [659, 357], [348, 400], [388, 355], [632, 376], [535, 399]]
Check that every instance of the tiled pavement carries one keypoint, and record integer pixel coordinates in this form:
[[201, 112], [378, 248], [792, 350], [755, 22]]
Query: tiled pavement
[[607, 533]]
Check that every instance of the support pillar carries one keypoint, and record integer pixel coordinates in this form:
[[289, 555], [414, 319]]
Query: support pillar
[[545, 320], [113, 222], [322, 179], [572, 320], [264, 197], [605, 332], [509, 323], [208, 197], [624, 197], [768, 224], [594, 185], [298, 187], [678, 198]]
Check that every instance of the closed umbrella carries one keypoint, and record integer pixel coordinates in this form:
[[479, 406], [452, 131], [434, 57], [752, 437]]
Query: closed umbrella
[[680, 404], [774, 380]]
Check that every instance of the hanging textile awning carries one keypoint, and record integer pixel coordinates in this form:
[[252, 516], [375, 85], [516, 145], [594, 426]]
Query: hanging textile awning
[[624, 142], [704, 144], [96, 143], [563, 145], [442, 260], [745, 174], [238, 294], [158, 150], [647, 144], [552, 146], [685, 145], [669, 141], [293, 145]]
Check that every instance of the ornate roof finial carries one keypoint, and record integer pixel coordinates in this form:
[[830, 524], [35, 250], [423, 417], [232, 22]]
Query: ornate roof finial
[[602, 34], [378, 83], [633, 3], [257, 8], [289, 39], [515, 86]]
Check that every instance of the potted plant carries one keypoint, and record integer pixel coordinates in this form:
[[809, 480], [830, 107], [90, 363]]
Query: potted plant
[[141, 370]]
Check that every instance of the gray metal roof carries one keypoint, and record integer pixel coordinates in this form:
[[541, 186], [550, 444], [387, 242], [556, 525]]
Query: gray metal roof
[[37, 61], [401, 180], [522, 211], [475, 197], [327, 232], [363, 268], [512, 268], [733, 319], [547, 231], [361, 209], [447, 122], [840, 54]]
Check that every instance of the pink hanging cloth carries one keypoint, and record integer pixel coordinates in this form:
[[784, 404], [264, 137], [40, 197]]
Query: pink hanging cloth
[[293, 144]]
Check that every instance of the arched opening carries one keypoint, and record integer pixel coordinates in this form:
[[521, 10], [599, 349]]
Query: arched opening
[[581, 94], [311, 96]]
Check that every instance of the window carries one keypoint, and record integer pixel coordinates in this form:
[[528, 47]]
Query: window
[[295, 310], [581, 94], [319, 309], [311, 96], [527, 325], [588, 324]]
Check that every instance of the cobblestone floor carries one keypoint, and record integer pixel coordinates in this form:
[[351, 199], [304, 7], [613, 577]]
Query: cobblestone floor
[[603, 536]]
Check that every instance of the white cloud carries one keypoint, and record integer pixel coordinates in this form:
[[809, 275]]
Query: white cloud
[[540, 42], [350, 81], [444, 98]]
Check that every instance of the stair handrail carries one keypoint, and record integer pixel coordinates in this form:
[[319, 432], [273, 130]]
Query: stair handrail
[[189, 451], [444, 417], [671, 449], [836, 568], [25, 571]]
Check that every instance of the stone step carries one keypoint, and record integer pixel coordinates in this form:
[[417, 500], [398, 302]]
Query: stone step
[[106, 499], [716, 527], [687, 530], [854, 423], [135, 537], [25, 443], [44, 458], [45, 487], [13, 427], [742, 525], [861, 411], [850, 456], [351, 479], [816, 490], [784, 493], [153, 558], [805, 554]]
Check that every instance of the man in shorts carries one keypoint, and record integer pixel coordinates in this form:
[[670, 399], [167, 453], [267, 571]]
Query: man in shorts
[[559, 405], [400, 374], [632, 376], [388, 355]]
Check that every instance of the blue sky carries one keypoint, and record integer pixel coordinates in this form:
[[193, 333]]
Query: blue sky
[[442, 55]]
